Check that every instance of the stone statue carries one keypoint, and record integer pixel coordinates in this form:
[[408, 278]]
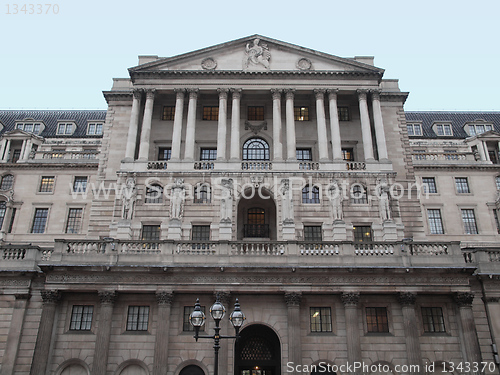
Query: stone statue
[[286, 202], [384, 201], [226, 202], [336, 197], [177, 199], [256, 54], [129, 195]]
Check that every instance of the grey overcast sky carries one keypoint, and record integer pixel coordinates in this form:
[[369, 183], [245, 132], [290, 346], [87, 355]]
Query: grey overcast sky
[[445, 53]]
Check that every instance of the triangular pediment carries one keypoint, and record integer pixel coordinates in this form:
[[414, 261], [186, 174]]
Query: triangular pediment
[[19, 134], [257, 53], [489, 135]]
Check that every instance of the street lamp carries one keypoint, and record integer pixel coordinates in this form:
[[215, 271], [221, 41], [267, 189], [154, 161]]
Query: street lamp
[[217, 311]]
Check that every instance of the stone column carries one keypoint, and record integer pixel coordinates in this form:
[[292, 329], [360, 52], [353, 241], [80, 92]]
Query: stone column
[[486, 153], [177, 130], [42, 347], [14, 335], [277, 144], [103, 332], [3, 143], [379, 126], [407, 302], [321, 124], [26, 149], [292, 300], [146, 126], [5, 154], [291, 148], [160, 363], [235, 124], [365, 125], [334, 124], [350, 301], [191, 125], [222, 125], [471, 343], [133, 126], [225, 299]]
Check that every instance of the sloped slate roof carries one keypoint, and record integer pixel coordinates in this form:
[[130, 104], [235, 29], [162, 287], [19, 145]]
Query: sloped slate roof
[[456, 119], [51, 117]]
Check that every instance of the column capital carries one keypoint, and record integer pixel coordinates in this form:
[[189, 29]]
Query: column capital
[[222, 93], [107, 297], [332, 93], [491, 299], [164, 298], [362, 94], [276, 93], [464, 299], [150, 93], [350, 298], [50, 296], [407, 298], [236, 93], [289, 93], [293, 298], [375, 94], [319, 93], [193, 93], [223, 297], [137, 93]]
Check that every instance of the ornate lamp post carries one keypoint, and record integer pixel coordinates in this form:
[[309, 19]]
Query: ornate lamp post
[[217, 311]]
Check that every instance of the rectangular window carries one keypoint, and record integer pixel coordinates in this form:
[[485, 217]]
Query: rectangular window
[[64, 128], [376, 319], [497, 222], [94, 128], [74, 220], [207, 154], [13, 217], [46, 184], [40, 220], [256, 113], [164, 153], [16, 155], [80, 184], [462, 185], [344, 114], [210, 113], [362, 233], [443, 129], [168, 113], [497, 182], [201, 233], [358, 194], [151, 232], [137, 318], [301, 113], [312, 233], [469, 220], [186, 325], [433, 320], [435, 221], [348, 154], [321, 319], [81, 318], [414, 129], [304, 154], [429, 185]]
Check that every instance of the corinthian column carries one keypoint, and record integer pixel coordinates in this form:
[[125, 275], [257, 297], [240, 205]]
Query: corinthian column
[[146, 126], [365, 125], [407, 302], [133, 126], [160, 363], [191, 125], [291, 153], [235, 124], [42, 346], [222, 125], [277, 145], [177, 130], [379, 126], [350, 301], [334, 124], [470, 340], [294, 339], [103, 333], [321, 124]]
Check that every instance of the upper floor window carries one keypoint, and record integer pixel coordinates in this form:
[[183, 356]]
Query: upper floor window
[[344, 114], [202, 193], [30, 127], [200, 233], [80, 184], [376, 319], [255, 113], [433, 320], [310, 194], [94, 128], [137, 318], [301, 113], [321, 319], [362, 233], [207, 154], [312, 233], [348, 154], [40, 220], [469, 220], [168, 113], [3, 211], [164, 153], [435, 221], [429, 185], [358, 194], [65, 128], [304, 154], [210, 113], [443, 129], [154, 194], [256, 149], [497, 182], [7, 182], [476, 129], [74, 222], [81, 318], [151, 232], [414, 129], [462, 185], [46, 184]]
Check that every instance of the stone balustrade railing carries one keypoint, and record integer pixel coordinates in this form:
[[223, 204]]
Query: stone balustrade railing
[[355, 166], [443, 156], [308, 166], [67, 156], [157, 165], [256, 166]]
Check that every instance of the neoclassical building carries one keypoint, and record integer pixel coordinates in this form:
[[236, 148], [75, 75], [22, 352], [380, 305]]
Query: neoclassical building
[[350, 231]]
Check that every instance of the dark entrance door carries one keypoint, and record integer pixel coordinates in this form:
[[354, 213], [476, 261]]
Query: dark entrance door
[[192, 370], [257, 352]]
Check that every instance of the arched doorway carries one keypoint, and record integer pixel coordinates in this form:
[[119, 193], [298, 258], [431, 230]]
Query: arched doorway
[[256, 215], [192, 370], [257, 352]]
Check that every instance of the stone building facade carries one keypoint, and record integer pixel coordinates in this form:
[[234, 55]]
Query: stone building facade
[[290, 179]]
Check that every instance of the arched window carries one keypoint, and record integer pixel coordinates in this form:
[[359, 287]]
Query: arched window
[[3, 210], [202, 193], [7, 182], [255, 149], [497, 181], [310, 195], [154, 194], [358, 194]]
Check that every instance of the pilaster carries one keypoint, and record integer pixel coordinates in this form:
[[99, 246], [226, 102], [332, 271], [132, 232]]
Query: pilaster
[[471, 343], [407, 302], [160, 363], [350, 301], [293, 300], [107, 300]]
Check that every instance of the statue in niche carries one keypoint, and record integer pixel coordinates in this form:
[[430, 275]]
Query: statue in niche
[[257, 54], [129, 195], [177, 199], [384, 200], [286, 201], [226, 202], [336, 197]]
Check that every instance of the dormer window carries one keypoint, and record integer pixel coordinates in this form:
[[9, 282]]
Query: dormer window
[[65, 128], [94, 128], [414, 129], [476, 129], [443, 130], [30, 127]]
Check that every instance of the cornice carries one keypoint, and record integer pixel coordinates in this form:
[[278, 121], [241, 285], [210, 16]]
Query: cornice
[[114, 96], [394, 96], [480, 167], [35, 165]]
